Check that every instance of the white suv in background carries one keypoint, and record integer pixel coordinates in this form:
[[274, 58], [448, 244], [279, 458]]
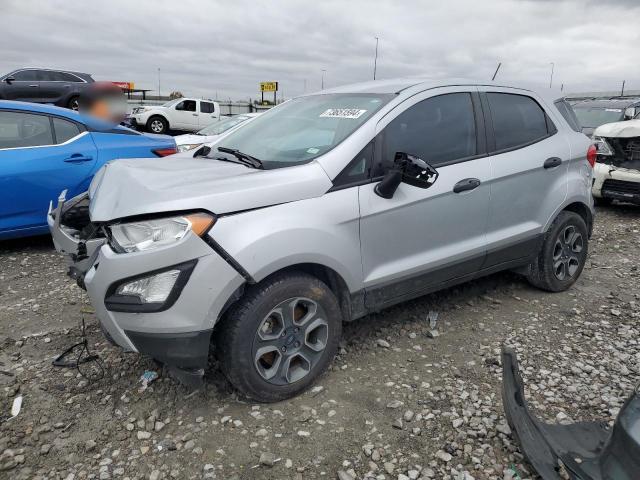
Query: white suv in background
[[212, 132], [187, 114]]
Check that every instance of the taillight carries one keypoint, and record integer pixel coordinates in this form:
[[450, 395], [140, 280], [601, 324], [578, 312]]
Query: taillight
[[163, 152], [592, 155]]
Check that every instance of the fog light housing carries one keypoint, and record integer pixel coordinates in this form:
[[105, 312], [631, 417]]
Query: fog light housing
[[151, 292], [153, 289]]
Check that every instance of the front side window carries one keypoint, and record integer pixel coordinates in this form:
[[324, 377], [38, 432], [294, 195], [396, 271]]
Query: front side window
[[207, 107], [26, 76], [187, 106], [65, 130], [518, 120], [304, 128], [439, 130], [19, 129], [222, 126]]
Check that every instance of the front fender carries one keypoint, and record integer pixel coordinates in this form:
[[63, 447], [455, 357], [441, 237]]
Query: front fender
[[322, 230]]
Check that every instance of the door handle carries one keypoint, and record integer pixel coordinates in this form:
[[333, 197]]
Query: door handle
[[194, 114], [466, 185], [78, 158], [552, 162], [34, 86]]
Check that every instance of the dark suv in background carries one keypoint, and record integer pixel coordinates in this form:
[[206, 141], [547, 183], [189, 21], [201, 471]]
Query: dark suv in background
[[59, 87]]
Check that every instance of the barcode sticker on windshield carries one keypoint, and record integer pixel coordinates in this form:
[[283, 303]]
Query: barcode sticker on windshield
[[342, 113]]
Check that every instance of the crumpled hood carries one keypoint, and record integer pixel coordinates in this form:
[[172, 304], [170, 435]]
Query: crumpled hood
[[626, 129], [124, 188]]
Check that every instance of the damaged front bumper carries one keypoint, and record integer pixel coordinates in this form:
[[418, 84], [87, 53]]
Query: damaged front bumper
[[76, 238], [177, 334], [587, 450]]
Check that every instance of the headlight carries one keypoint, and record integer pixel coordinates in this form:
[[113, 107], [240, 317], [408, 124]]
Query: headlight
[[151, 234], [602, 146], [188, 146]]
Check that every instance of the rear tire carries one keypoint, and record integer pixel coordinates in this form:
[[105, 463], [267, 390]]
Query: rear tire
[[280, 337], [157, 124], [563, 254]]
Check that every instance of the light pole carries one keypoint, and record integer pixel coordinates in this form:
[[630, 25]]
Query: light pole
[[158, 83], [375, 60], [322, 81], [551, 80]]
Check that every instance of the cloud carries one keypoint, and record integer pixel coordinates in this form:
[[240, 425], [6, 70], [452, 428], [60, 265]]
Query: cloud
[[226, 48]]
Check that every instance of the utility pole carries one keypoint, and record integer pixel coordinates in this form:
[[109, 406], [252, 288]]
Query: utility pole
[[622, 92], [158, 83], [375, 60], [496, 72], [551, 80], [322, 81]]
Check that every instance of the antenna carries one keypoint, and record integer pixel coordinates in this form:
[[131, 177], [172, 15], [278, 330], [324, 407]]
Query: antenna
[[496, 72]]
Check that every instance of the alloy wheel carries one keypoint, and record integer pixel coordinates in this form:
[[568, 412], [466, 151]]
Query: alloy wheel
[[567, 252], [290, 340], [157, 126]]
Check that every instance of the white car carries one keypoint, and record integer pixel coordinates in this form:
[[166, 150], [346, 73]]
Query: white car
[[617, 171], [213, 132], [186, 114]]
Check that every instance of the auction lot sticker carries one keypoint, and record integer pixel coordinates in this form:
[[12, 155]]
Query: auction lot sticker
[[342, 113]]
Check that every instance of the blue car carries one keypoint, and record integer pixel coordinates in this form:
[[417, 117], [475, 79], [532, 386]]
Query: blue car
[[46, 149]]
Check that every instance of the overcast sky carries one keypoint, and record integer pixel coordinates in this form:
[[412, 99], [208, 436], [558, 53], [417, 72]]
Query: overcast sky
[[228, 47]]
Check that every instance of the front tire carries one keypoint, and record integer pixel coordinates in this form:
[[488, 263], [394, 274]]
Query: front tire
[[74, 103], [282, 335], [157, 124], [563, 254]]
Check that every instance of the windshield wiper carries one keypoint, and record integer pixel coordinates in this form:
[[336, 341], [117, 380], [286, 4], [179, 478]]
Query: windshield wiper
[[243, 157]]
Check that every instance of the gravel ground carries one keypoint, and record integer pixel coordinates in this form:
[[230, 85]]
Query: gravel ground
[[399, 402]]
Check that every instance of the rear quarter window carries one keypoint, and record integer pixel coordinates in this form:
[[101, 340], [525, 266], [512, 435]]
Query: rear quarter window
[[568, 114]]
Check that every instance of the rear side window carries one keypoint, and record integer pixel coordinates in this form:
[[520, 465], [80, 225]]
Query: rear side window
[[439, 130], [207, 107], [65, 130], [518, 120], [568, 114], [19, 129]]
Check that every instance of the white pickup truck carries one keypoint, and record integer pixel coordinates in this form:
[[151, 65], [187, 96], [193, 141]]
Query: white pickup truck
[[186, 114]]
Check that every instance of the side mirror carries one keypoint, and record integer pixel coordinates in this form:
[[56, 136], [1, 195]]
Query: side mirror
[[409, 169], [629, 113], [9, 80]]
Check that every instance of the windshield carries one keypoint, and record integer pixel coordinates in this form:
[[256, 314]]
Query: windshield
[[223, 125], [593, 117], [304, 128], [171, 102]]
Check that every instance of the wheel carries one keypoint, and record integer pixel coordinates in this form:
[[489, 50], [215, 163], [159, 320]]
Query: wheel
[[74, 103], [563, 254], [602, 201], [157, 124], [279, 337]]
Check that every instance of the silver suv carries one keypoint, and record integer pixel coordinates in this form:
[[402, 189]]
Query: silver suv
[[325, 208]]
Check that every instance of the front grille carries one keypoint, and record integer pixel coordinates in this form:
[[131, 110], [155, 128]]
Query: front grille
[[621, 186]]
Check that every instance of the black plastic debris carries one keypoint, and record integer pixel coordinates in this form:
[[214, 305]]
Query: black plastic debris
[[587, 450]]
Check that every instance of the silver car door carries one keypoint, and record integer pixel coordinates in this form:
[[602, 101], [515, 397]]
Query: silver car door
[[529, 161], [421, 239]]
